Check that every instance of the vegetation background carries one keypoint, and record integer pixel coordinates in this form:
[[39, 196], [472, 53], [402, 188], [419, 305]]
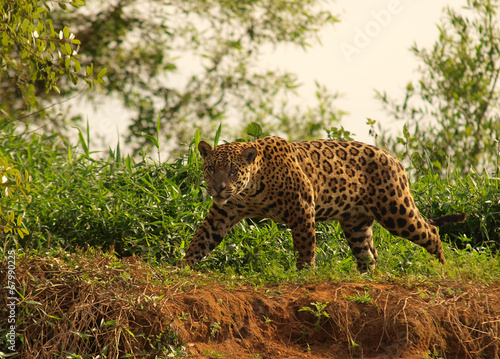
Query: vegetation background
[[62, 198]]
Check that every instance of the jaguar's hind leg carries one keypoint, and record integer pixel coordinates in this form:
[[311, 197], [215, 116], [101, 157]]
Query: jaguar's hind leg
[[359, 235], [411, 225]]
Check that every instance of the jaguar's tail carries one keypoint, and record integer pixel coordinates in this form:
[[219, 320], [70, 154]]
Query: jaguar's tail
[[448, 218]]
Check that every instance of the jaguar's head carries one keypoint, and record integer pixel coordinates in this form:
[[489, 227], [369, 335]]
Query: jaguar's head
[[227, 169]]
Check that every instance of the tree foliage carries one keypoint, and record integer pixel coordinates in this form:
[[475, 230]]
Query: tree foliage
[[13, 191], [36, 54], [35, 57], [197, 62], [452, 113]]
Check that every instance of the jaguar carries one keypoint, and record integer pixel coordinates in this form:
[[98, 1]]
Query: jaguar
[[302, 183]]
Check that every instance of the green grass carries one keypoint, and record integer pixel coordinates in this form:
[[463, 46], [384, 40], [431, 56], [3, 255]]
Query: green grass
[[150, 209], [478, 194]]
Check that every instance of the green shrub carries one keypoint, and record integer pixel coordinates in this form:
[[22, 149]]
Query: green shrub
[[475, 193], [135, 207], [13, 193]]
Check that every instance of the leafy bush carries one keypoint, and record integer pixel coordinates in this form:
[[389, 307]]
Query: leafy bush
[[136, 207], [477, 194], [13, 190]]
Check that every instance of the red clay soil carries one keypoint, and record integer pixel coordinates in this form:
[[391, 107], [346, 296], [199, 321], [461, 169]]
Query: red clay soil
[[99, 306], [391, 322]]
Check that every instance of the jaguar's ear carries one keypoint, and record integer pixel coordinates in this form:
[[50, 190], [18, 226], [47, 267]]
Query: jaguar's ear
[[204, 148], [249, 154]]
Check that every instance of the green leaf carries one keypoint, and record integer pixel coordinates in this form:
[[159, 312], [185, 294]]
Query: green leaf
[[406, 133], [76, 4], [217, 135], [102, 73], [254, 130], [149, 137], [128, 164], [70, 157], [109, 322], [67, 49], [32, 302], [83, 143], [437, 164], [25, 25], [73, 78], [158, 123], [197, 136], [5, 39]]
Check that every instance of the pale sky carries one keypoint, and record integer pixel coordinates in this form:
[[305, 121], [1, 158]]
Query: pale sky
[[368, 49]]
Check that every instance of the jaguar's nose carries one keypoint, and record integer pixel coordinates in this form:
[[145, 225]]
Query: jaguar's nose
[[219, 187]]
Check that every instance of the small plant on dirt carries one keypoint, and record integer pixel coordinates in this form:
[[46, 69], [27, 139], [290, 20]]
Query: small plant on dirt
[[360, 298], [214, 354], [267, 320], [318, 311], [214, 329], [434, 354], [183, 316], [166, 343], [355, 349]]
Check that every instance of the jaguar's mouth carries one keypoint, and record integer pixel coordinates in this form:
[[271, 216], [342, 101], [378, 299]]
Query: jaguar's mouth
[[220, 200]]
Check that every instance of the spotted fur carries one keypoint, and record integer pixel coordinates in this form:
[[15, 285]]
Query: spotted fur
[[301, 183]]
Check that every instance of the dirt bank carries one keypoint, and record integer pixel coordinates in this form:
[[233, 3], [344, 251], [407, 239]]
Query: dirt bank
[[118, 307]]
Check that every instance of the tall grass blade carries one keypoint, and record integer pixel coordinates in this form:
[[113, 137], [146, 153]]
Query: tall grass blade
[[158, 124], [149, 137], [82, 142], [217, 135]]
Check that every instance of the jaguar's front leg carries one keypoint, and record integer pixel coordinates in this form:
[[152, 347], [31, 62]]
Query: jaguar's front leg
[[211, 232], [304, 237]]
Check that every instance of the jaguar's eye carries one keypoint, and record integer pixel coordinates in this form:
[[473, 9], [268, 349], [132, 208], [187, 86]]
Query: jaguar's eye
[[210, 171], [233, 171]]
